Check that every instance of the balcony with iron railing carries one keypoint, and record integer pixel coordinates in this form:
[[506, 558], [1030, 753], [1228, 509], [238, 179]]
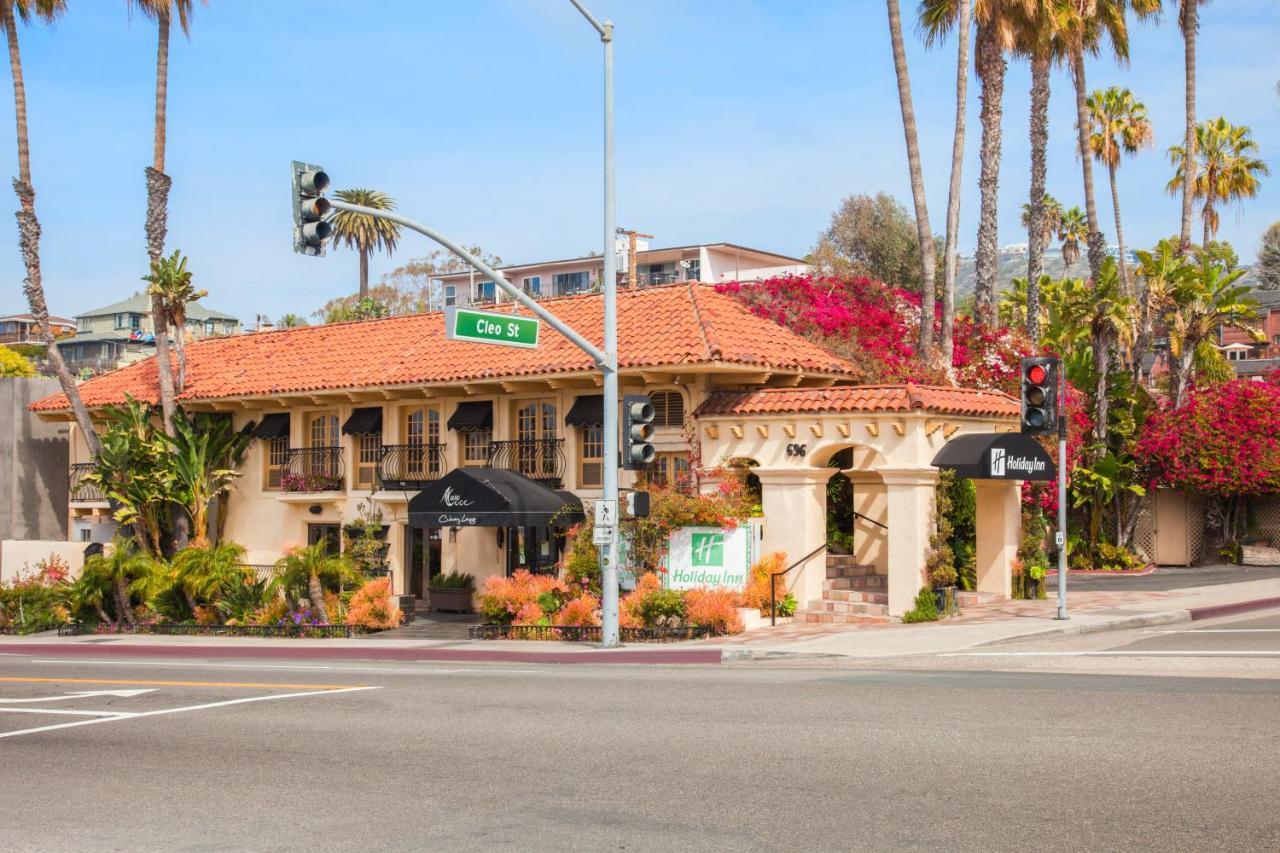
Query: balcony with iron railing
[[80, 491], [410, 466], [540, 459], [314, 469]]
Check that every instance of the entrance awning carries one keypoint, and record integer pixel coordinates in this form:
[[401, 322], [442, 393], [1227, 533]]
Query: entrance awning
[[272, 427], [996, 456], [364, 422], [586, 411], [492, 497], [472, 417]]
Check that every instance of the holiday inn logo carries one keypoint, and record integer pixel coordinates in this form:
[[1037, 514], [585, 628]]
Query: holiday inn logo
[[997, 462], [1004, 464], [707, 549]]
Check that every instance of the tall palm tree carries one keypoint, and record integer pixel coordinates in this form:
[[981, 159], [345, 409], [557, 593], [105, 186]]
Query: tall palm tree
[[1225, 168], [207, 455], [962, 20], [158, 183], [1119, 125], [364, 233], [1072, 230], [1189, 24], [995, 20], [1050, 220], [28, 224], [170, 280], [928, 257]]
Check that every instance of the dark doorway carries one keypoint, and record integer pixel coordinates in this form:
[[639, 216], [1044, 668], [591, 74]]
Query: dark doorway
[[840, 516], [534, 549], [329, 534], [422, 558]]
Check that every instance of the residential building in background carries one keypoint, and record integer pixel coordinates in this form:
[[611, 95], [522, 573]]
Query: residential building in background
[[121, 333], [709, 263], [23, 329]]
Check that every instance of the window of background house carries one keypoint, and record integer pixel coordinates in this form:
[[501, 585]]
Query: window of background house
[[84, 324], [450, 294], [533, 285], [322, 429], [569, 282], [669, 469], [276, 456], [592, 473], [368, 455], [668, 408], [486, 291], [694, 271], [135, 321], [122, 321], [422, 429]]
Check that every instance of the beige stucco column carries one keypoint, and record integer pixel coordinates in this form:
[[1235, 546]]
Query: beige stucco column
[[909, 497], [999, 527], [795, 522]]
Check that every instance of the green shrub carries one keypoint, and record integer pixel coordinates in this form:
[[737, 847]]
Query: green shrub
[[1232, 552], [663, 606], [453, 580], [788, 606], [926, 609], [1113, 558]]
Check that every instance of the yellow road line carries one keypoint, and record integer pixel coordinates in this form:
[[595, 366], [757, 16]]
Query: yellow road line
[[139, 682]]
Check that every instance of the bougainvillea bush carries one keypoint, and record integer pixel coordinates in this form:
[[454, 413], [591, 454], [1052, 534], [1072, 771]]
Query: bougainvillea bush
[[875, 327]]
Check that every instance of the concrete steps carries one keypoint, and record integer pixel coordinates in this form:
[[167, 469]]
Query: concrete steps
[[852, 594]]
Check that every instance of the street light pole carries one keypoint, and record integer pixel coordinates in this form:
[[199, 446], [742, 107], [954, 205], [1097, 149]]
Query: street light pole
[[609, 549], [1062, 497]]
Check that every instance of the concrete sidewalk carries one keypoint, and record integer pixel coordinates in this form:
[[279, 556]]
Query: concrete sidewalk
[[1089, 612]]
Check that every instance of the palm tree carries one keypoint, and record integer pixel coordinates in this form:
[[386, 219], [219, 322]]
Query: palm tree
[[963, 14], [207, 453], [1072, 229], [995, 19], [170, 281], [1050, 218], [117, 570], [1119, 126], [1225, 168], [1189, 24], [291, 321], [28, 224], [158, 184], [203, 573], [312, 569], [928, 256], [362, 232]]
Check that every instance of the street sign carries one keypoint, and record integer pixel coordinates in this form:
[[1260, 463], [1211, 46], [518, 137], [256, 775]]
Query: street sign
[[491, 327], [603, 535], [606, 513]]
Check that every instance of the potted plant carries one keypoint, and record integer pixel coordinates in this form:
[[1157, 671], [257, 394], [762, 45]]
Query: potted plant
[[451, 592]]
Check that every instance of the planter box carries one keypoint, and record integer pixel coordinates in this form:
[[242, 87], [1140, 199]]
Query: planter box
[[450, 600], [1259, 555]]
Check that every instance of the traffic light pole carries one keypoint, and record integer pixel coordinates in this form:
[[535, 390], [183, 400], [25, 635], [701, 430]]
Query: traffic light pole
[[1062, 498]]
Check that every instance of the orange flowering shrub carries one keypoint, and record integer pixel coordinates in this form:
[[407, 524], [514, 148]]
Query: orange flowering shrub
[[333, 609], [631, 608], [757, 592], [579, 612], [530, 614], [206, 615], [371, 606], [716, 609], [502, 600]]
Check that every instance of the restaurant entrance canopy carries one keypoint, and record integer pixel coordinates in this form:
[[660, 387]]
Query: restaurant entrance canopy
[[492, 497]]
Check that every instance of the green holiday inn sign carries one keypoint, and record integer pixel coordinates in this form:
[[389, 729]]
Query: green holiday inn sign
[[491, 327]]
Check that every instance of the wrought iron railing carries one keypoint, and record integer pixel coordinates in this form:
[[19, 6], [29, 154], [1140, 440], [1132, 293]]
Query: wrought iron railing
[[284, 629], [410, 465], [540, 459], [314, 469], [81, 491], [586, 633]]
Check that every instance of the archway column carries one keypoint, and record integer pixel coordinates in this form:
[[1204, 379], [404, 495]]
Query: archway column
[[999, 527], [795, 522], [909, 499]]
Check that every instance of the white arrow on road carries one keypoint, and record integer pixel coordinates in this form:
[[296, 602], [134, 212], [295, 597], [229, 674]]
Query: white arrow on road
[[83, 695]]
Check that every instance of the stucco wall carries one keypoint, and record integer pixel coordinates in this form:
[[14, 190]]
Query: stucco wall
[[20, 557], [33, 464]]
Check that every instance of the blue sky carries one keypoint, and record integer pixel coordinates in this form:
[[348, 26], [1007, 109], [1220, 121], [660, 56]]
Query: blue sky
[[737, 121]]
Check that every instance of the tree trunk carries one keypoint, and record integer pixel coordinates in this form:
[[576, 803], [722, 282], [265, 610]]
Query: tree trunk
[[1190, 23], [1121, 262], [364, 275], [1097, 248], [180, 344], [1181, 375], [122, 601], [1101, 367], [953, 193], [1208, 222], [1039, 147], [102, 615], [991, 68], [928, 260], [316, 591], [29, 239]]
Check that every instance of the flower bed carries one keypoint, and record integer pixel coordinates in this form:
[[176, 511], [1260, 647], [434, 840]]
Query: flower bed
[[313, 631], [587, 633]]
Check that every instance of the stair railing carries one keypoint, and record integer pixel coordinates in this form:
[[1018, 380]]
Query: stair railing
[[773, 588]]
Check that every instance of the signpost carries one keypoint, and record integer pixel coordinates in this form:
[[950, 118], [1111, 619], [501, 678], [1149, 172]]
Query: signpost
[[491, 327]]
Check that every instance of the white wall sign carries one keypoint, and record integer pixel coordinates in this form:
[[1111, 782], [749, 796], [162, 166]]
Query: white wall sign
[[709, 556]]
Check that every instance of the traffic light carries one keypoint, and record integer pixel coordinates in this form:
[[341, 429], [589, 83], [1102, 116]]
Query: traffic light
[[311, 231], [637, 432], [635, 504], [1039, 395]]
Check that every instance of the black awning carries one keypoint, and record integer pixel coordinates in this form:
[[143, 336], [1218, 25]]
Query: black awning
[[273, 426], [996, 456], [364, 422], [491, 497], [586, 411], [472, 417]]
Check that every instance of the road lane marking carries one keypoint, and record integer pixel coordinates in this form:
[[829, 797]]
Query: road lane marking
[[15, 679], [1223, 631], [186, 708], [124, 694], [66, 711], [426, 667], [1189, 653]]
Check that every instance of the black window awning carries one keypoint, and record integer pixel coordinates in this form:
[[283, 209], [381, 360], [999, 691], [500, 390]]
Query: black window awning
[[364, 422], [586, 411], [272, 427], [492, 497], [472, 417], [996, 456]]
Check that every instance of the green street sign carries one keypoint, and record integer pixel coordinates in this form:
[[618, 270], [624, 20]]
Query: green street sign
[[491, 327]]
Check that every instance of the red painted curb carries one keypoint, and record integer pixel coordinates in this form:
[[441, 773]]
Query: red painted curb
[[625, 656], [1149, 570], [1216, 610]]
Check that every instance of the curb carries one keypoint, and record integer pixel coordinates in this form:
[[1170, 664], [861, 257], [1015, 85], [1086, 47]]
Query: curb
[[600, 656], [1198, 613], [1146, 620]]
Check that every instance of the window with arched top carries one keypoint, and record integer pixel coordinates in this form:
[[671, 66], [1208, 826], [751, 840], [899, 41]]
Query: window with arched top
[[668, 408]]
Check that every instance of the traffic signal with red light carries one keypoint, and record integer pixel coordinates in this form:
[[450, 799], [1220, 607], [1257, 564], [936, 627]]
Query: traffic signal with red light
[[1039, 395]]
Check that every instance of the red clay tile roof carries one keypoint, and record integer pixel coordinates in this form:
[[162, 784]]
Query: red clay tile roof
[[861, 398], [657, 327]]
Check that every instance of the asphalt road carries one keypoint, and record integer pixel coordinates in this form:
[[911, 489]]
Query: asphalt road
[[1168, 577], [254, 756]]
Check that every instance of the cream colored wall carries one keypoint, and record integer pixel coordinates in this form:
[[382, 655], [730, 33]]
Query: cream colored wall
[[19, 558]]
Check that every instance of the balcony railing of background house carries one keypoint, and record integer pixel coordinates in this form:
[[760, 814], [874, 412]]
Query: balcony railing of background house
[[649, 279], [408, 466], [314, 469], [79, 490], [20, 337], [540, 459]]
